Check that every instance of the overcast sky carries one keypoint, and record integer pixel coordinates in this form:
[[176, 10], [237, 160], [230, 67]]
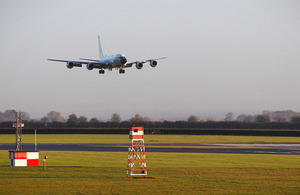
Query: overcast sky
[[223, 56]]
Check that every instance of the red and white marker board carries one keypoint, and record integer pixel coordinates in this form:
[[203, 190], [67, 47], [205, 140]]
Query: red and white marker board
[[136, 133], [23, 158], [136, 163]]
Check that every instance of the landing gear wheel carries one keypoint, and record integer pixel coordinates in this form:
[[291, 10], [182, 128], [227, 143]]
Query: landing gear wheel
[[121, 71], [101, 71]]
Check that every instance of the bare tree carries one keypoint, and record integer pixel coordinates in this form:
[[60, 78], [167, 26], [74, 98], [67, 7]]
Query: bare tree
[[193, 119], [262, 118], [245, 118], [82, 119], [72, 118], [55, 117], [229, 117], [280, 118], [115, 117], [25, 116], [137, 118], [94, 122], [45, 119], [8, 115]]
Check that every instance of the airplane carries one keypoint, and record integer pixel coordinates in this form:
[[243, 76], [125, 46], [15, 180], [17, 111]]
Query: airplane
[[117, 61]]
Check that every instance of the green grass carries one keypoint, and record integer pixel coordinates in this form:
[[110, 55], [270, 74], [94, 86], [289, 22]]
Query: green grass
[[98, 138], [168, 173]]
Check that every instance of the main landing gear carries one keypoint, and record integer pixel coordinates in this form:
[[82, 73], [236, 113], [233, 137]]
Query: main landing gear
[[121, 71]]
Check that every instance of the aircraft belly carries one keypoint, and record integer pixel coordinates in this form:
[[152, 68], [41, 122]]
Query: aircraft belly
[[116, 63]]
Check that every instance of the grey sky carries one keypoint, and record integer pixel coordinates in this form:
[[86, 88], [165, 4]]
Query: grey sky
[[223, 56]]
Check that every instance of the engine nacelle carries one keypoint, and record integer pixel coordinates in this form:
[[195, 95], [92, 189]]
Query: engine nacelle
[[90, 66], [139, 65], [71, 64], [153, 63]]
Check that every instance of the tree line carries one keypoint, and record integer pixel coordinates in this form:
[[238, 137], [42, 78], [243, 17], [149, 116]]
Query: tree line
[[54, 120]]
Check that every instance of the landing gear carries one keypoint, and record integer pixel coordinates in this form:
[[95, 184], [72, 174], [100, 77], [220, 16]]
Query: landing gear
[[101, 71], [121, 71]]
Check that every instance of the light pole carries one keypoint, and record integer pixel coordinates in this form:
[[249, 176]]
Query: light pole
[[35, 145]]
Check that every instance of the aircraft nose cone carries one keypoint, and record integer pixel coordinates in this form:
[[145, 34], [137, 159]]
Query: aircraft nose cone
[[123, 60]]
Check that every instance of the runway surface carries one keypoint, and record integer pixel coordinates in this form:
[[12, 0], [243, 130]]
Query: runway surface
[[289, 149]]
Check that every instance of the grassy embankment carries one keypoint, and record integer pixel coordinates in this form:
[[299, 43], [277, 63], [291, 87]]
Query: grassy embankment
[[97, 138]]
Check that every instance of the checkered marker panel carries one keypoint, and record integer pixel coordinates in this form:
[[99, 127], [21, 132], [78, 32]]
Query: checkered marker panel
[[23, 159]]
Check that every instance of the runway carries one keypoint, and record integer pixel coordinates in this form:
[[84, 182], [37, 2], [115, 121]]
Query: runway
[[242, 148]]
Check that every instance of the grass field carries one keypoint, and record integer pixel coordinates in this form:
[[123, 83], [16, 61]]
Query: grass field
[[97, 138], [168, 173]]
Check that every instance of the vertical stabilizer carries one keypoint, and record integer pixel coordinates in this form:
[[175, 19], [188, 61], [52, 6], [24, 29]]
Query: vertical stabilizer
[[100, 49]]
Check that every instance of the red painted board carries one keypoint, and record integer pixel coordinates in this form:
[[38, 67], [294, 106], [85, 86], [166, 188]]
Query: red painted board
[[20, 155], [136, 137], [32, 162]]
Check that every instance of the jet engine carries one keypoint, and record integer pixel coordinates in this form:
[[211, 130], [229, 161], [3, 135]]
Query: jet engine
[[70, 65], [153, 63], [90, 66], [139, 65]]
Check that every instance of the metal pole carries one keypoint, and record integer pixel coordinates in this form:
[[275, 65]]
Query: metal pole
[[44, 162], [18, 131], [35, 139]]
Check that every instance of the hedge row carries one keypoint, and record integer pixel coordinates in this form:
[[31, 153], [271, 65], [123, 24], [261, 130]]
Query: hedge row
[[177, 131]]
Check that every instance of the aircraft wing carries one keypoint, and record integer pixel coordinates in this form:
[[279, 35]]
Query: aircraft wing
[[129, 64], [89, 59], [156, 59], [67, 61], [79, 63]]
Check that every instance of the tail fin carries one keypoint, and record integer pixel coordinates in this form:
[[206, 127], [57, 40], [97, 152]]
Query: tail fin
[[100, 49]]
